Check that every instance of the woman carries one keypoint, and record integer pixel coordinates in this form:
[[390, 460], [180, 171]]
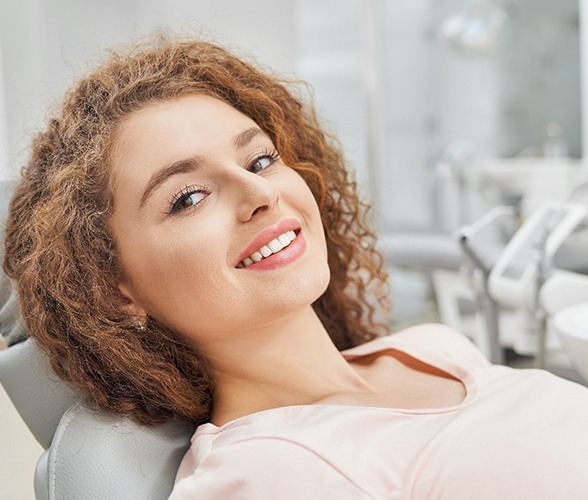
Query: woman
[[187, 244]]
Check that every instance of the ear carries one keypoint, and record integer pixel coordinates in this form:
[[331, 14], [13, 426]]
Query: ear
[[131, 305]]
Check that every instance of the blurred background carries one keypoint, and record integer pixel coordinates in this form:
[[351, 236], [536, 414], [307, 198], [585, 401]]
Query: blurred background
[[445, 108]]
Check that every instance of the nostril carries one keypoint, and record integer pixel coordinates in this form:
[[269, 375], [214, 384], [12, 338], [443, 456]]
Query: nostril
[[262, 208]]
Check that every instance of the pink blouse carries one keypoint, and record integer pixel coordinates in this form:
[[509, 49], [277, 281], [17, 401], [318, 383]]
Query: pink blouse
[[518, 434]]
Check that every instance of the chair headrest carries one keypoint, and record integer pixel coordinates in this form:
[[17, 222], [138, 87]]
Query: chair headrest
[[39, 396]]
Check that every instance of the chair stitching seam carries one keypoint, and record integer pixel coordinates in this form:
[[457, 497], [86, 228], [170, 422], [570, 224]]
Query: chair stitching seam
[[53, 462]]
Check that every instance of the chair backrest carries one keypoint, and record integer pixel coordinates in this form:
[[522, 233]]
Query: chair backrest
[[89, 454], [96, 455]]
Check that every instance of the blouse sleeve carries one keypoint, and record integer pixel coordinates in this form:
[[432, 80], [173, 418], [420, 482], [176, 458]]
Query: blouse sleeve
[[265, 468]]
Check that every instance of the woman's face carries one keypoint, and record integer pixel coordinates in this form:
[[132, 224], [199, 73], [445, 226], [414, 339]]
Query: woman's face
[[215, 235]]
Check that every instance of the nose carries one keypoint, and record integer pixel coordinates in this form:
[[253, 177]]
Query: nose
[[256, 194]]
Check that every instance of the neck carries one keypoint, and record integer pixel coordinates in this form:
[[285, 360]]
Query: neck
[[290, 363]]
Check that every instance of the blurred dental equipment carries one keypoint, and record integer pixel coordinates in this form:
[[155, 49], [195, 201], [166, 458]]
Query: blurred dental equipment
[[565, 299], [528, 279], [526, 264], [554, 144], [452, 184], [468, 188], [511, 257], [476, 30], [477, 265]]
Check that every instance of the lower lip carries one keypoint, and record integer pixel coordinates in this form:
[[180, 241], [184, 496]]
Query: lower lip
[[283, 258]]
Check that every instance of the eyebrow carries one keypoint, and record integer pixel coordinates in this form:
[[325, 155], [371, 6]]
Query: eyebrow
[[176, 168], [189, 164], [247, 136]]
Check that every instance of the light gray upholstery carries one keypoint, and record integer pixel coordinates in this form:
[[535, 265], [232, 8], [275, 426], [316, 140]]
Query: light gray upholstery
[[39, 396], [90, 455], [11, 324], [95, 455]]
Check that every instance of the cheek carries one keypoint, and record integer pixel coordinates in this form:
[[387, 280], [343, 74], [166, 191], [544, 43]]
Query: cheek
[[168, 271], [315, 219], [301, 196]]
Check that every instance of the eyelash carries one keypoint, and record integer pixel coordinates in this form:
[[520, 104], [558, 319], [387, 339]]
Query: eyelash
[[184, 194], [188, 191], [272, 154]]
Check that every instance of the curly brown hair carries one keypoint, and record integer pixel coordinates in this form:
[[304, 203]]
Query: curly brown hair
[[64, 260]]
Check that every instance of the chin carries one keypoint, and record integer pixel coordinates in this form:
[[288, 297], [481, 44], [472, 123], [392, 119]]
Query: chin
[[316, 284], [304, 290]]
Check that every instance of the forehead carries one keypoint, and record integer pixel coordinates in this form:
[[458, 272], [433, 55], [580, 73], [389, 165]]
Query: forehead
[[169, 130], [174, 119]]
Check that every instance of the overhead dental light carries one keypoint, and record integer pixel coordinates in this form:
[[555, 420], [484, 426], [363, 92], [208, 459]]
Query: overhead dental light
[[477, 29]]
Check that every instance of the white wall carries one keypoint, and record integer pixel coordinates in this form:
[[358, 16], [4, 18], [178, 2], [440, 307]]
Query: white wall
[[584, 73], [329, 55]]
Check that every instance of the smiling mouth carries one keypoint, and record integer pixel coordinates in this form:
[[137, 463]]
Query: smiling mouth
[[269, 249]]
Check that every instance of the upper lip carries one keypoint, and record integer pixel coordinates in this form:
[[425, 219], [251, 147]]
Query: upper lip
[[267, 235]]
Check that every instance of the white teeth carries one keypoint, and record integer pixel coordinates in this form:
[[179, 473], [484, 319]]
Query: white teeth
[[272, 247], [265, 251], [275, 246]]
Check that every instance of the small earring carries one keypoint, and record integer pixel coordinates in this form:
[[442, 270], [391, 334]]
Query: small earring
[[140, 325]]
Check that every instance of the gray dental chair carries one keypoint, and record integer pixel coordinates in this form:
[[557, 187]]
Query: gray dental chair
[[88, 455]]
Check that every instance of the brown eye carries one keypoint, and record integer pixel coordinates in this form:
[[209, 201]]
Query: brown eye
[[186, 199], [262, 162]]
